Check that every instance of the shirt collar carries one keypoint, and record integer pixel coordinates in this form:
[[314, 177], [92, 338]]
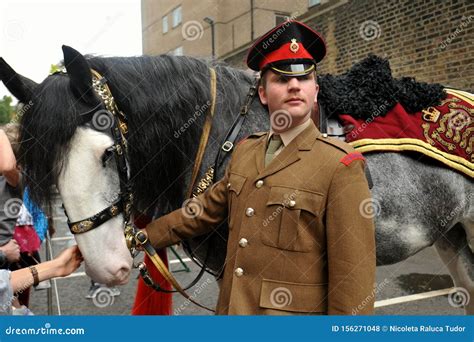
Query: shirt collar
[[292, 133]]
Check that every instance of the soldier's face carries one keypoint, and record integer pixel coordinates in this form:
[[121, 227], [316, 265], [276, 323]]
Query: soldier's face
[[289, 99]]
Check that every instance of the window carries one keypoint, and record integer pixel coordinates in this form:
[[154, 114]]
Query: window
[[281, 18], [177, 16], [165, 24], [312, 3]]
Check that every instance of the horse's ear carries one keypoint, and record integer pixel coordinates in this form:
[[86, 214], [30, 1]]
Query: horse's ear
[[79, 73], [20, 87]]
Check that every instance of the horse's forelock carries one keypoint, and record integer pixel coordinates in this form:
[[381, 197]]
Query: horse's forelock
[[47, 127]]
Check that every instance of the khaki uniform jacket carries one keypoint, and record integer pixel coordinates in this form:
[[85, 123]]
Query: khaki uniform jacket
[[299, 241]]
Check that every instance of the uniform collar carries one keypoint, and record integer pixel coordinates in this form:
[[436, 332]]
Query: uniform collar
[[288, 136]]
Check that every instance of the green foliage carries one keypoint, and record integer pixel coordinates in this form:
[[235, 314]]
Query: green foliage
[[6, 110]]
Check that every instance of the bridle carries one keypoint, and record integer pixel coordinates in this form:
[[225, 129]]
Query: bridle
[[123, 205], [119, 131]]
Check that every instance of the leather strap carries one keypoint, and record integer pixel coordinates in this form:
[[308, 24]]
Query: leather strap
[[234, 130], [205, 134], [34, 273], [95, 221], [142, 239]]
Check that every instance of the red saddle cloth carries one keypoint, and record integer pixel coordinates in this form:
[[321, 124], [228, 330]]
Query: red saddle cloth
[[444, 132], [147, 300]]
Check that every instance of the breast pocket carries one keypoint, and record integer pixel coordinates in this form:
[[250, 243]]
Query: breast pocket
[[234, 186], [291, 218]]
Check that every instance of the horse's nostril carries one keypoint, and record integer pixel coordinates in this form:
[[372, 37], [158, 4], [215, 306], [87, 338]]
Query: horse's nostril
[[123, 273]]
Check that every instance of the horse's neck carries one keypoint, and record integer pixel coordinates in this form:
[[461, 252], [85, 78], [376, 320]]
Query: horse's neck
[[165, 125]]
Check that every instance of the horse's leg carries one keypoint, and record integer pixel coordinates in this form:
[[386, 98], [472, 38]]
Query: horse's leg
[[454, 250]]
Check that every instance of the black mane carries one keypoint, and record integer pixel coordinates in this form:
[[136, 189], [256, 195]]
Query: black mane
[[159, 95]]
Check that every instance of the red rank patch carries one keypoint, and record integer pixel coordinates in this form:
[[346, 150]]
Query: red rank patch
[[349, 158]]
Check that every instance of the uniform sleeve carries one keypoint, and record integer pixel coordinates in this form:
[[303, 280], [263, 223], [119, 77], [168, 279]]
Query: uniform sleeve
[[350, 242], [197, 216]]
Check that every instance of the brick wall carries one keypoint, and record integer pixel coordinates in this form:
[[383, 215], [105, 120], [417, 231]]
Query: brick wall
[[430, 40]]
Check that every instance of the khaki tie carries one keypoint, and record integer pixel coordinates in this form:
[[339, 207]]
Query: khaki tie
[[273, 146]]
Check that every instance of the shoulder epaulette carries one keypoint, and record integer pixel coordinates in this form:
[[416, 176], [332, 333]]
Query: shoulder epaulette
[[252, 136], [341, 145], [256, 135]]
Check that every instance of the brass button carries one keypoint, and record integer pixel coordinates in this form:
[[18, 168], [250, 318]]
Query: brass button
[[249, 212], [259, 184], [291, 204], [239, 272], [243, 242], [228, 185]]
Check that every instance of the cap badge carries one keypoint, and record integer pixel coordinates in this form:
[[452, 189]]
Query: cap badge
[[294, 46]]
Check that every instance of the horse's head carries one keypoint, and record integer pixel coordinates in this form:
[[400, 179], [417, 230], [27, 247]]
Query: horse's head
[[62, 145]]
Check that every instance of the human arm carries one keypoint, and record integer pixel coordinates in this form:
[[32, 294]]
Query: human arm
[[64, 264], [198, 216], [8, 165], [350, 242]]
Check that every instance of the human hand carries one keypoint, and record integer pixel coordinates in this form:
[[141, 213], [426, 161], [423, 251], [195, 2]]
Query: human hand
[[11, 251], [68, 261]]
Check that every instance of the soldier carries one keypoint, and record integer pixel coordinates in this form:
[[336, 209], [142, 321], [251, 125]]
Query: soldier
[[298, 241]]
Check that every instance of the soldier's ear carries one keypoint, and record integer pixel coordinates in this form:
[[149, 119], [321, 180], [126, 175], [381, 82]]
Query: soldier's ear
[[263, 95], [316, 95]]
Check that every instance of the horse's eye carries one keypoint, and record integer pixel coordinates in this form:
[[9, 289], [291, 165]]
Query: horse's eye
[[108, 154]]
